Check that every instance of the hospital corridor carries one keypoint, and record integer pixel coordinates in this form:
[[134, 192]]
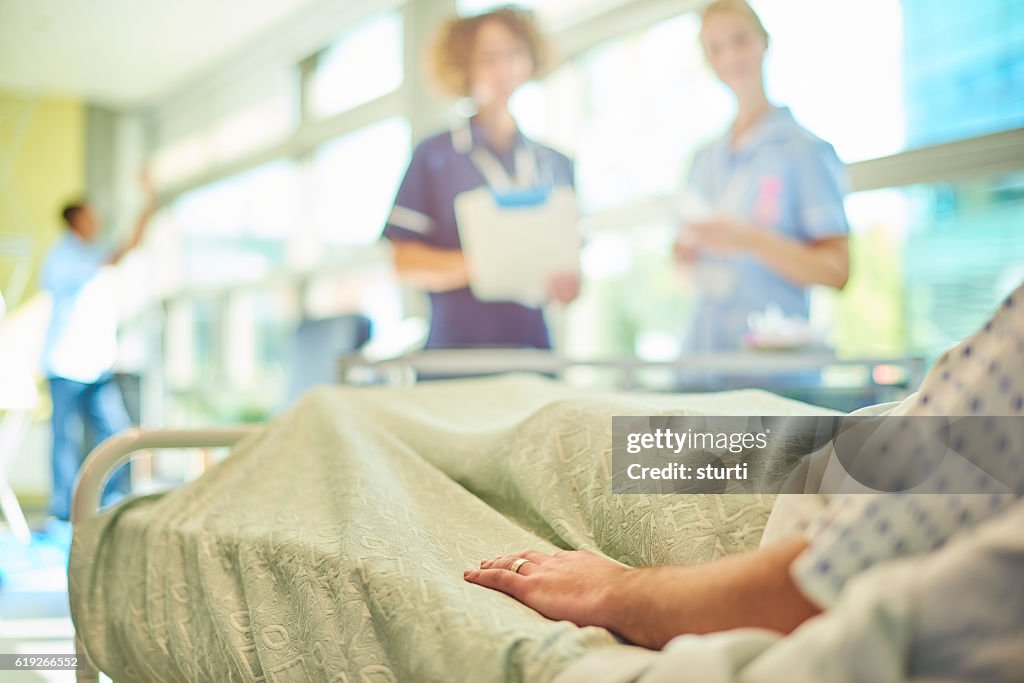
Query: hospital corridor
[[550, 341]]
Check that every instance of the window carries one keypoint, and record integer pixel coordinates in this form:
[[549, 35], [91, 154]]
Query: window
[[964, 69], [930, 263], [258, 113], [625, 111], [355, 181], [250, 128], [633, 300], [365, 63], [964, 252], [193, 342], [836, 65], [258, 338], [235, 229], [180, 160], [928, 77]]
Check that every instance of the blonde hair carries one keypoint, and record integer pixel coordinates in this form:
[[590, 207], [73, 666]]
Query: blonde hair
[[453, 47], [739, 7]]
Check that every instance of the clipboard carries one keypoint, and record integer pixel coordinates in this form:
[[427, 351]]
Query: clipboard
[[515, 241]]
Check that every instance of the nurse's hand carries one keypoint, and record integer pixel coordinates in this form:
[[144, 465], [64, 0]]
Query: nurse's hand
[[724, 234], [564, 287], [684, 250]]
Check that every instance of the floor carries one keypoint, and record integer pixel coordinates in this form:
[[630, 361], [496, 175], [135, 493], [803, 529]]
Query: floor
[[34, 615]]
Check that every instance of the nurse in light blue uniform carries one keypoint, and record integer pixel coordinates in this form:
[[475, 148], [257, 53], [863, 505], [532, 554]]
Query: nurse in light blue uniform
[[776, 192]]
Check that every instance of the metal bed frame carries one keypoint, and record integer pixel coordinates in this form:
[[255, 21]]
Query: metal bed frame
[[356, 368]]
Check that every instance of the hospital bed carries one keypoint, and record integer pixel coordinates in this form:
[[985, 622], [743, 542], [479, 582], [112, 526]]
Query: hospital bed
[[333, 539], [330, 544]]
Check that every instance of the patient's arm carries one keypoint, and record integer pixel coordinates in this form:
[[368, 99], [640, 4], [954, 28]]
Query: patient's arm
[[650, 606], [430, 268]]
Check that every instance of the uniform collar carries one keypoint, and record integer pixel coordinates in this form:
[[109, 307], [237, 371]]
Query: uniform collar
[[523, 171], [468, 134], [777, 124]]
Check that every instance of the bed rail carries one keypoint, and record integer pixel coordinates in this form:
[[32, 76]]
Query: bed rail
[[117, 450], [356, 368]]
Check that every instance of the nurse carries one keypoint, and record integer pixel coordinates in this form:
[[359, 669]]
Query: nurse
[[777, 224], [487, 58]]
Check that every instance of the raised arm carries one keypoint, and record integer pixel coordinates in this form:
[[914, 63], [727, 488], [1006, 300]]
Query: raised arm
[[650, 606], [148, 209]]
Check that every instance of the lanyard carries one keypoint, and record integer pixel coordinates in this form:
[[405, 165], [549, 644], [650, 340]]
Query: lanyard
[[494, 173], [526, 162]]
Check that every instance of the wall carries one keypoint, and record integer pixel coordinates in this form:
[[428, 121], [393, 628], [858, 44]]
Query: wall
[[42, 165]]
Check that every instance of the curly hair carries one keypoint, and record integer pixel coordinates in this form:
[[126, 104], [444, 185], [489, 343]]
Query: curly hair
[[453, 47]]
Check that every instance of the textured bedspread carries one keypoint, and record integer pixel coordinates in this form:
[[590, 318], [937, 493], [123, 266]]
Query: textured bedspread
[[330, 547]]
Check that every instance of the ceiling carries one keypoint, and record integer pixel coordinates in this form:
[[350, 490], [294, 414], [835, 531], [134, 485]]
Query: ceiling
[[125, 53]]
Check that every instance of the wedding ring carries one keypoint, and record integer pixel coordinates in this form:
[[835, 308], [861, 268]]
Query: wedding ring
[[518, 564]]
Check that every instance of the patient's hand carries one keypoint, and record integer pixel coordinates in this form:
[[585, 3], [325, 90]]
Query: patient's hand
[[569, 585], [652, 605]]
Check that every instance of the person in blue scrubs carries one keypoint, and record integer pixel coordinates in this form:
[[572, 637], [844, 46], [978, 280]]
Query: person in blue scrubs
[[485, 57], [80, 350], [776, 193]]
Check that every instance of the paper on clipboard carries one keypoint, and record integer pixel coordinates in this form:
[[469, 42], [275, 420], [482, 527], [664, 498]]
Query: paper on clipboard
[[513, 248]]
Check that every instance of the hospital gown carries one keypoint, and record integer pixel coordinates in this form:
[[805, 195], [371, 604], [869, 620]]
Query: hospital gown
[[983, 375], [921, 588]]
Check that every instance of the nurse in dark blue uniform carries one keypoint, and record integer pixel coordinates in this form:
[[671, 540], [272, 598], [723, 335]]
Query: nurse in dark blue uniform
[[486, 57]]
